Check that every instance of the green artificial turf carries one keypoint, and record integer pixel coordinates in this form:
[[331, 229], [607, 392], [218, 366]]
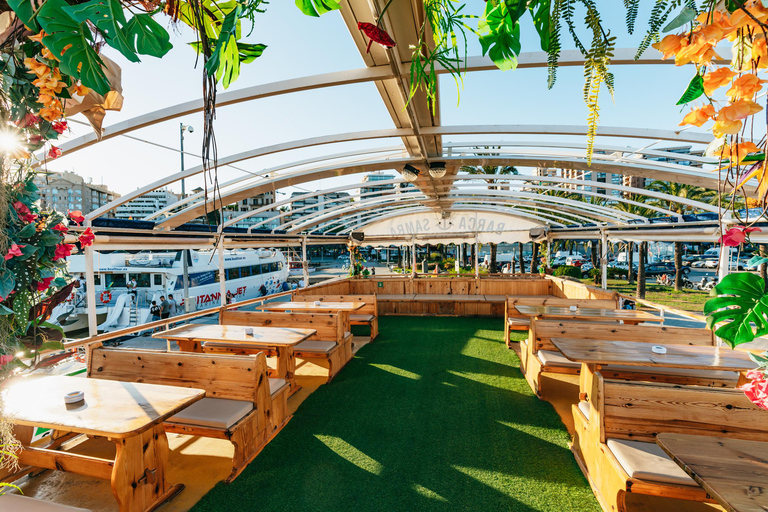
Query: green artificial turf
[[434, 415]]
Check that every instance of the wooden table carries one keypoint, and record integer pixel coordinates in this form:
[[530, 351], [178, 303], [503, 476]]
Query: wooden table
[[311, 307], [732, 471], [232, 338], [594, 354], [628, 316], [129, 414]]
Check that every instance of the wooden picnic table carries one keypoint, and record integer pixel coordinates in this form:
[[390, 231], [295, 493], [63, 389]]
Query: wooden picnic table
[[628, 316], [634, 353], [129, 414], [732, 471], [311, 307], [232, 338]]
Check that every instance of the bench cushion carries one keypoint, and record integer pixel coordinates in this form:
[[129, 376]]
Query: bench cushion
[[275, 385], [213, 412], [315, 346], [646, 461], [683, 372], [361, 318], [16, 503], [584, 408], [518, 321], [552, 358]]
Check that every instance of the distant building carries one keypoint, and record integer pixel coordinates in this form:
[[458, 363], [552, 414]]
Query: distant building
[[63, 191], [267, 219], [146, 205], [310, 205], [369, 183]]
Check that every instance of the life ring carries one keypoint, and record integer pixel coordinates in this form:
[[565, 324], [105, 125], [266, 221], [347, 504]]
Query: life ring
[[105, 294]]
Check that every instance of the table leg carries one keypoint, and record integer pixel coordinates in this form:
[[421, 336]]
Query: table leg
[[286, 366], [138, 476], [189, 345]]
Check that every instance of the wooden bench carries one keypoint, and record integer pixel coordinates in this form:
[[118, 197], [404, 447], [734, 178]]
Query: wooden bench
[[367, 315], [538, 355], [241, 403], [614, 440], [16, 503], [517, 322], [330, 347], [451, 304]]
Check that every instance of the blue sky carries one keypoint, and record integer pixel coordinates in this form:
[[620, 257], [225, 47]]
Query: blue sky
[[299, 45]]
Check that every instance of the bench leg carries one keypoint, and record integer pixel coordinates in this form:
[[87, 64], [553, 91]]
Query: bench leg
[[374, 328], [248, 441]]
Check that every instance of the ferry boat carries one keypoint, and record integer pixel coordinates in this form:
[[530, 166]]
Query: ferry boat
[[160, 274]]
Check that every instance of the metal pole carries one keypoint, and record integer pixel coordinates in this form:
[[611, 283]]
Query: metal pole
[[604, 258], [184, 252], [222, 274], [181, 137], [90, 290], [304, 262], [725, 262], [413, 257], [477, 259]]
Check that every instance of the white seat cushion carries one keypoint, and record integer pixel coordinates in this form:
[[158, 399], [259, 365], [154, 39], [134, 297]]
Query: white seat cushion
[[213, 412], [361, 318], [315, 346], [646, 461], [519, 321], [584, 408], [682, 372], [275, 385], [16, 503], [552, 358]]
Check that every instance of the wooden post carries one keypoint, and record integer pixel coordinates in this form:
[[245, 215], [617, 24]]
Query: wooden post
[[304, 262], [90, 290], [604, 258], [222, 273]]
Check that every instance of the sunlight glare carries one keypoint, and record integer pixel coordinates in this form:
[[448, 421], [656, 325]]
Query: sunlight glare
[[348, 452]]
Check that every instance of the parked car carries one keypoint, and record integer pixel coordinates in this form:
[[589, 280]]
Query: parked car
[[655, 269], [711, 263], [702, 261]]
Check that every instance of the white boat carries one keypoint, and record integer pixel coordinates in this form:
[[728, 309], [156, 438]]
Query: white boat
[[160, 274]]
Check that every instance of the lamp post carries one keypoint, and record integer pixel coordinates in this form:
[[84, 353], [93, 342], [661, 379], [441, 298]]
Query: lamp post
[[185, 252]]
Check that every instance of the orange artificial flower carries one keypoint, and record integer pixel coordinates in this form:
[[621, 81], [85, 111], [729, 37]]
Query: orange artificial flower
[[48, 55], [47, 100], [670, 45], [38, 38], [37, 67], [740, 151], [80, 90], [699, 116], [51, 114], [729, 118], [716, 79], [49, 85], [746, 86]]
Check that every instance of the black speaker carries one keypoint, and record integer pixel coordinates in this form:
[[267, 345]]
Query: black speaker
[[357, 236]]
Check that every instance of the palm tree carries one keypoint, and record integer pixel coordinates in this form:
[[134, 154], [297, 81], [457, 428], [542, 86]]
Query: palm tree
[[634, 210], [491, 170], [687, 192]]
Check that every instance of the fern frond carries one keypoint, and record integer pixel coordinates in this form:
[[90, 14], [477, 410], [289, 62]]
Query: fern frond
[[632, 7]]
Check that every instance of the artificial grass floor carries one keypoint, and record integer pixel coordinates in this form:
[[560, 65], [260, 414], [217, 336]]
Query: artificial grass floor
[[434, 415]]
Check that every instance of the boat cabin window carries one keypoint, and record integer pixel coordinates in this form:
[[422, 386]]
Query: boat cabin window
[[97, 280], [158, 279], [264, 268], [233, 273], [273, 266], [255, 270], [142, 280], [215, 277], [245, 271], [115, 280]]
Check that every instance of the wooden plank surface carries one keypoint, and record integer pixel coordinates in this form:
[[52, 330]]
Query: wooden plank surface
[[395, 297], [311, 306], [111, 409], [632, 353], [269, 336], [733, 471], [587, 313]]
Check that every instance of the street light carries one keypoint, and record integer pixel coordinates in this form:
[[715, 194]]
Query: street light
[[182, 128], [185, 252]]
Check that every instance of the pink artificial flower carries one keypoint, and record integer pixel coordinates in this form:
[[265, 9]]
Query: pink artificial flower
[[24, 213], [86, 239], [59, 127], [15, 250], [76, 216], [736, 236], [54, 152], [44, 284], [757, 389], [62, 251], [29, 120], [5, 359]]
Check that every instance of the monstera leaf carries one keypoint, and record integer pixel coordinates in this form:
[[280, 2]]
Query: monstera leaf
[[317, 7], [500, 33], [70, 41], [108, 17], [148, 35], [740, 308]]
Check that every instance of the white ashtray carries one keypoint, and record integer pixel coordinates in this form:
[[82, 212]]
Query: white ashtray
[[658, 349], [318, 303], [573, 308], [249, 331], [73, 397]]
